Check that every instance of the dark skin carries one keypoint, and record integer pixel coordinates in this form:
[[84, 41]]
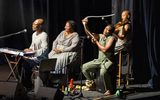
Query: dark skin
[[95, 37], [124, 22], [35, 27], [68, 31]]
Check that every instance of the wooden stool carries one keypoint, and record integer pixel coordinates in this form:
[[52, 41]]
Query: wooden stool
[[126, 78]]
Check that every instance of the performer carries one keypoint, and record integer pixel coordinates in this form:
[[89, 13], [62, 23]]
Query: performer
[[104, 62], [39, 46], [64, 47], [122, 29]]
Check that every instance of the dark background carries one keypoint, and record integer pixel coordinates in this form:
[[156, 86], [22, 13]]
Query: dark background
[[16, 15]]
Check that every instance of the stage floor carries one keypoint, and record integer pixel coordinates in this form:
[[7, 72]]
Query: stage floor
[[132, 92]]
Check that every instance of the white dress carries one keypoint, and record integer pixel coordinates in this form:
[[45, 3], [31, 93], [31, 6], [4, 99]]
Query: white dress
[[68, 46]]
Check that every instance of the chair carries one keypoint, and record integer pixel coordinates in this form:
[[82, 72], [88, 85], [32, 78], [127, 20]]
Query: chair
[[47, 65], [43, 90], [40, 76]]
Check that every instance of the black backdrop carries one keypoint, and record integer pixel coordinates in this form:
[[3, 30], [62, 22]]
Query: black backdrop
[[146, 34], [16, 15]]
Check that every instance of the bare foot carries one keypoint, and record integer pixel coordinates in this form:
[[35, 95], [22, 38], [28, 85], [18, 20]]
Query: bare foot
[[107, 93]]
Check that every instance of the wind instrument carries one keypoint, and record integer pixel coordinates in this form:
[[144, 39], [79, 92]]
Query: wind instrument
[[101, 16]]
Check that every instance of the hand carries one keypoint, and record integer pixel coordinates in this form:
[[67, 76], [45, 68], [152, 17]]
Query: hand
[[57, 50], [85, 21], [94, 40], [27, 50]]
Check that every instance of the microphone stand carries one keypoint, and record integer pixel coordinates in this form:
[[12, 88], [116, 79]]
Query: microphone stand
[[81, 46], [5, 36]]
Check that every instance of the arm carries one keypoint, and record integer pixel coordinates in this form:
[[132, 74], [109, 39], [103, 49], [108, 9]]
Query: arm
[[125, 30], [121, 29], [55, 42], [107, 46]]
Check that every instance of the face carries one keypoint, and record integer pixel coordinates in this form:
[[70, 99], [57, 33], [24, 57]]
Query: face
[[125, 15], [35, 25], [68, 27], [107, 30]]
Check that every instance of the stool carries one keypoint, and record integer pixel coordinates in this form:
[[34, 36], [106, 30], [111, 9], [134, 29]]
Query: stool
[[126, 78]]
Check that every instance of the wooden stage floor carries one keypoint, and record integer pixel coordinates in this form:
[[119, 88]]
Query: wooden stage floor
[[132, 92]]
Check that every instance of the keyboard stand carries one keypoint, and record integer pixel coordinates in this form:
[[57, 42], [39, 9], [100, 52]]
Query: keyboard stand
[[13, 65]]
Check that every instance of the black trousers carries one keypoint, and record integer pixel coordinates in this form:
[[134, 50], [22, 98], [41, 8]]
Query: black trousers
[[26, 69]]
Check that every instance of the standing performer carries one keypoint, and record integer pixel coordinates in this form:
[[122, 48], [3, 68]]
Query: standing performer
[[104, 62], [122, 29]]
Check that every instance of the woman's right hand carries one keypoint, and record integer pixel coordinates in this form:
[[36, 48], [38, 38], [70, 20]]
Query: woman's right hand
[[94, 40], [27, 50]]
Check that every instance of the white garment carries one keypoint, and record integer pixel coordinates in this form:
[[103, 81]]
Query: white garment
[[67, 45], [120, 42], [40, 45]]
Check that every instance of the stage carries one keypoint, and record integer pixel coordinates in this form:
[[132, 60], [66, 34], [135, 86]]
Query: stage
[[132, 91]]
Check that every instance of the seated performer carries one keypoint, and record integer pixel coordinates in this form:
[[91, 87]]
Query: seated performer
[[64, 47], [122, 30], [39, 46], [104, 62]]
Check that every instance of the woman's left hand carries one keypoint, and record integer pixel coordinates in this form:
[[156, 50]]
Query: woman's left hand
[[57, 50], [94, 40]]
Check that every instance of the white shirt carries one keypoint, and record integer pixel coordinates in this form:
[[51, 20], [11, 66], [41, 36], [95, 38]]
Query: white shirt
[[40, 44]]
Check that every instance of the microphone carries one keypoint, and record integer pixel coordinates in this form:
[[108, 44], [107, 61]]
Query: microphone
[[5, 36], [23, 31]]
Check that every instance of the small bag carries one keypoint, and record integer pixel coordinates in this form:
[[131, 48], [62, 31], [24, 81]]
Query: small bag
[[107, 63]]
